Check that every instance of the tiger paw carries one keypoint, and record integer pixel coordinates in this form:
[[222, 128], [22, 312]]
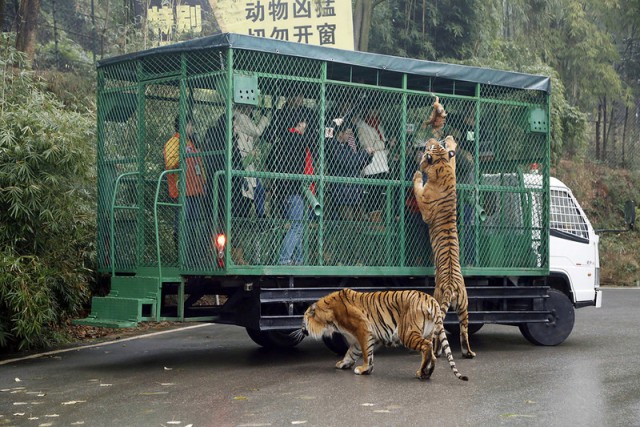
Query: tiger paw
[[417, 177], [468, 354], [361, 370], [450, 143], [342, 364], [423, 375]]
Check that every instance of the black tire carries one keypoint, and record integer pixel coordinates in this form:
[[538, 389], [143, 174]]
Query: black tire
[[454, 329], [275, 339], [336, 343], [560, 324]]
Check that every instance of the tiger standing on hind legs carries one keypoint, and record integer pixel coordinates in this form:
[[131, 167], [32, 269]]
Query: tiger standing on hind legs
[[437, 203]]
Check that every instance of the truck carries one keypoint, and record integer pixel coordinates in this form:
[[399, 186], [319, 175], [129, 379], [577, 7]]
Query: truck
[[529, 254]]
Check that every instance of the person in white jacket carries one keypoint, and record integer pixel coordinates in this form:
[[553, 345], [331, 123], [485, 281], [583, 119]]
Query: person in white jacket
[[246, 133], [372, 138]]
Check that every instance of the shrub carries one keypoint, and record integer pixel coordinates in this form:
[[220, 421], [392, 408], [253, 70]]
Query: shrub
[[46, 207]]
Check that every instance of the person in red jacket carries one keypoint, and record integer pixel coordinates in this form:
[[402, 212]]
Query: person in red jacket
[[196, 179]]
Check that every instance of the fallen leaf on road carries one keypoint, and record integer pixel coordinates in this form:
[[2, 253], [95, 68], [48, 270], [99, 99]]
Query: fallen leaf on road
[[240, 398], [511, 415], [37, 393], [73, 402], [298, 422]]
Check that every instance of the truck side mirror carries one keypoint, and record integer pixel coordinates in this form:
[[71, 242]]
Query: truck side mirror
[[630, 214]]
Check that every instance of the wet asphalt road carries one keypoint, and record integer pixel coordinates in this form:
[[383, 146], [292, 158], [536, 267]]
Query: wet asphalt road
[[213, 375]]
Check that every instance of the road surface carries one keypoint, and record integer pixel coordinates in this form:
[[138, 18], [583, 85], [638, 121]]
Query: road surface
[[214, 375]]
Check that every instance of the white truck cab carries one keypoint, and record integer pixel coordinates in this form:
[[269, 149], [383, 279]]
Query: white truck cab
[[573, 246]]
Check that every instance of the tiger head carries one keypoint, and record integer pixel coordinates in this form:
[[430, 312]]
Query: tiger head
[[320, 317], [437, 154]]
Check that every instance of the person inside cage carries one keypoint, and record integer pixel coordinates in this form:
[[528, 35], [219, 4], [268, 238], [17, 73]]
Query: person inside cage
[[371, 136], [290, 154], [246, 134], [345, 158], [214, 144], [461, 125], [195, 179], [419, 251]]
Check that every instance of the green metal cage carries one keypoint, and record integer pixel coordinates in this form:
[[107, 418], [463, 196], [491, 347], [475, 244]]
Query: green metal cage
[[230, 104]]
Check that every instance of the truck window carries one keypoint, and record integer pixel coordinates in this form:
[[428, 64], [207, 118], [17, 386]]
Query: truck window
[[565, 216]]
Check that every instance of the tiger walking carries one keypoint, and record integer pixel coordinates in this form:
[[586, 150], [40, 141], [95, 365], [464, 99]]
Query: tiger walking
[[410, 318]]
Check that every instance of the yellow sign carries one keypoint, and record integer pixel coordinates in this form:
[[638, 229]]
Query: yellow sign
[[162, 24], [318, 22]]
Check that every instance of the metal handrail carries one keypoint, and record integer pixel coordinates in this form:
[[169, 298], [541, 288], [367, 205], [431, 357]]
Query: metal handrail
[[112, 228], [155, 215]]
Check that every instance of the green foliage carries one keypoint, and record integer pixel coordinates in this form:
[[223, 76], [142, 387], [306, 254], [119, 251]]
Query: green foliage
[[67, 55], [46, 207], [602, 193], [447, 28]]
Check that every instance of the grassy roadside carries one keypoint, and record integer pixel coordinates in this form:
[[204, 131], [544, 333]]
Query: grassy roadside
[[602, 192]]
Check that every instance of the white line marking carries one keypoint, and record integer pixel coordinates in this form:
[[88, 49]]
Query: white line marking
[[49, 353]]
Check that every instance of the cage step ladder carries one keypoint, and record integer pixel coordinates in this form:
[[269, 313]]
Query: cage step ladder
[[132, 299]]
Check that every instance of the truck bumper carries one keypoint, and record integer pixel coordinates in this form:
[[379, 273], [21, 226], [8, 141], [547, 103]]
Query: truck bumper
[[598, 298]]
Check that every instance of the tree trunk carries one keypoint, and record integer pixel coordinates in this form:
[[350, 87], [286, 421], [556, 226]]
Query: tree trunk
[[362, 12], [604, 128], [624, 135], [598, 131], [2, 15], [27, 22]]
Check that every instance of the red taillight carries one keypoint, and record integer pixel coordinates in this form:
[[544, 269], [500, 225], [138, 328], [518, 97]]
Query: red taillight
[[220, 242]]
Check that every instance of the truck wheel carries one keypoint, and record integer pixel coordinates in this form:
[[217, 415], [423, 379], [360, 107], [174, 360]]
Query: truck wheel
[[454, 329], [275, 339], [336, 343], [560, 324]]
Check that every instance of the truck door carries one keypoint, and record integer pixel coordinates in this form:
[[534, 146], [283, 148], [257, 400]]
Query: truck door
[[573, 244]]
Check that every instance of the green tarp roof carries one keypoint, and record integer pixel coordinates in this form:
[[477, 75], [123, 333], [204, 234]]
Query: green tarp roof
[[361, 59]]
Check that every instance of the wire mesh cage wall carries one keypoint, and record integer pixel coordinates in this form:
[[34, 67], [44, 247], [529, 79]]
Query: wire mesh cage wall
[[268, 157]]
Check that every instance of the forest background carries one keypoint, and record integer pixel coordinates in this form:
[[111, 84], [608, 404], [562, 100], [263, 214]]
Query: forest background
[[48, 53]]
